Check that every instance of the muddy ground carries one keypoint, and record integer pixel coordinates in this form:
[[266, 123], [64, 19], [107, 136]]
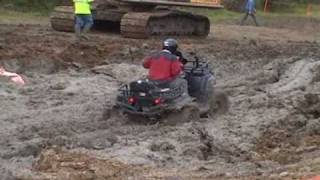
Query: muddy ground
[[61, 124]]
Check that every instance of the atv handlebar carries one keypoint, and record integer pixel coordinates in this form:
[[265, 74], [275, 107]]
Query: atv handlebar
[[198, 66], [197, 62]]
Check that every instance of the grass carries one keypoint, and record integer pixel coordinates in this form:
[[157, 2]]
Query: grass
[[228, 17], [220, 15], [300, 11], [13, 17], [41, 6]]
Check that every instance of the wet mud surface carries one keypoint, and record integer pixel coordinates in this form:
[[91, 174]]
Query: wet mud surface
[[62, 125]]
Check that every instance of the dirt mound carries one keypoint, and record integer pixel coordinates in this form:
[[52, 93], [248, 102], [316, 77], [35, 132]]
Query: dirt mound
[[60, 164], [84, 54], [123, 72], [299, 76], [287, 140], [57, 164], [34, 42]]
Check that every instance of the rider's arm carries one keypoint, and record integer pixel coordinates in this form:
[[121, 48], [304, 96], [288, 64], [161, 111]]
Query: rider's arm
[[147, 62], [181, 58], [176, 68]]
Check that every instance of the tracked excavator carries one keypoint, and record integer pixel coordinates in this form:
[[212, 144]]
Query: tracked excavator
[[140, 18]]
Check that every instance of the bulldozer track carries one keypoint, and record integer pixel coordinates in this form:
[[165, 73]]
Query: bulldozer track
[[177, 23], [141, 24], [135, 25], [62, 19]]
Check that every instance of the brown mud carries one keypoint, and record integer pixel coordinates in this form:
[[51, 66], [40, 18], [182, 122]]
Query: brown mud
[[61, 125]]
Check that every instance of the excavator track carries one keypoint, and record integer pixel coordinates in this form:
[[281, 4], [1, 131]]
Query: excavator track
[[174, 23], [62, 19], [142, 24]]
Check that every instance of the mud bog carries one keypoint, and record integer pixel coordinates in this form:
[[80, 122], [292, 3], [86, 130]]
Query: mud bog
[[62, 125]]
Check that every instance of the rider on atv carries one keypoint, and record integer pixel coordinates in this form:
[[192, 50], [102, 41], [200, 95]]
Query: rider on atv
[[166, 66], [173, 85]]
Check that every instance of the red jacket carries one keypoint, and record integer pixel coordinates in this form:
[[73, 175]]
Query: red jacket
[[162, 66]]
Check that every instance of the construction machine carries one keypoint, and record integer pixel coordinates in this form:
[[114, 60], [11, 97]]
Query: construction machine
[[140, 18]]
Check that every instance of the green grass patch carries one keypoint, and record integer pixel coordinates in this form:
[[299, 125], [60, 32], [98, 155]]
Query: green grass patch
[[31, 17], [225, 16], [39, 10], [220, 15], [297, 10], [39, 6]]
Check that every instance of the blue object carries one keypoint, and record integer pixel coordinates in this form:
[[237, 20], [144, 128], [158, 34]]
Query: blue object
[[83, 20], [250, 6]]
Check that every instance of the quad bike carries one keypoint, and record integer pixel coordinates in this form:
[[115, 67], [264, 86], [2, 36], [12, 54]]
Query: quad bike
[[156, 100]]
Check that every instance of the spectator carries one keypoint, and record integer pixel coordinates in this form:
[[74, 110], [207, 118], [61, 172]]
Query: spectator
[[84, 20], [250, 11]]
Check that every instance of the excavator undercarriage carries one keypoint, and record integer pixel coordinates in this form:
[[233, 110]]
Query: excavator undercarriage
[[140, 18]]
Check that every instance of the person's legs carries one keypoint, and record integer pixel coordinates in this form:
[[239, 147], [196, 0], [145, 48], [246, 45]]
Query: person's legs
[[254, 19], [78, 26], [87, 25], [244, 19]]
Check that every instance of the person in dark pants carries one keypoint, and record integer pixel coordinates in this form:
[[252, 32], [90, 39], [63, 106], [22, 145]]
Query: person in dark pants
[[250, 11], [84, 20]]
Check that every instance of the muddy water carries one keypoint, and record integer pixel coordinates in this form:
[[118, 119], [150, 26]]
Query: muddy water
[[273, 120]]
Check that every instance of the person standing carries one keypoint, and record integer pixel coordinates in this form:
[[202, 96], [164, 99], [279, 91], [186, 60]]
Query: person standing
[[84, 20], [250, 11]]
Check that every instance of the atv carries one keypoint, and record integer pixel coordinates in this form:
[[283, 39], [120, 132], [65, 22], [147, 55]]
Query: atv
[[154, 100]]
